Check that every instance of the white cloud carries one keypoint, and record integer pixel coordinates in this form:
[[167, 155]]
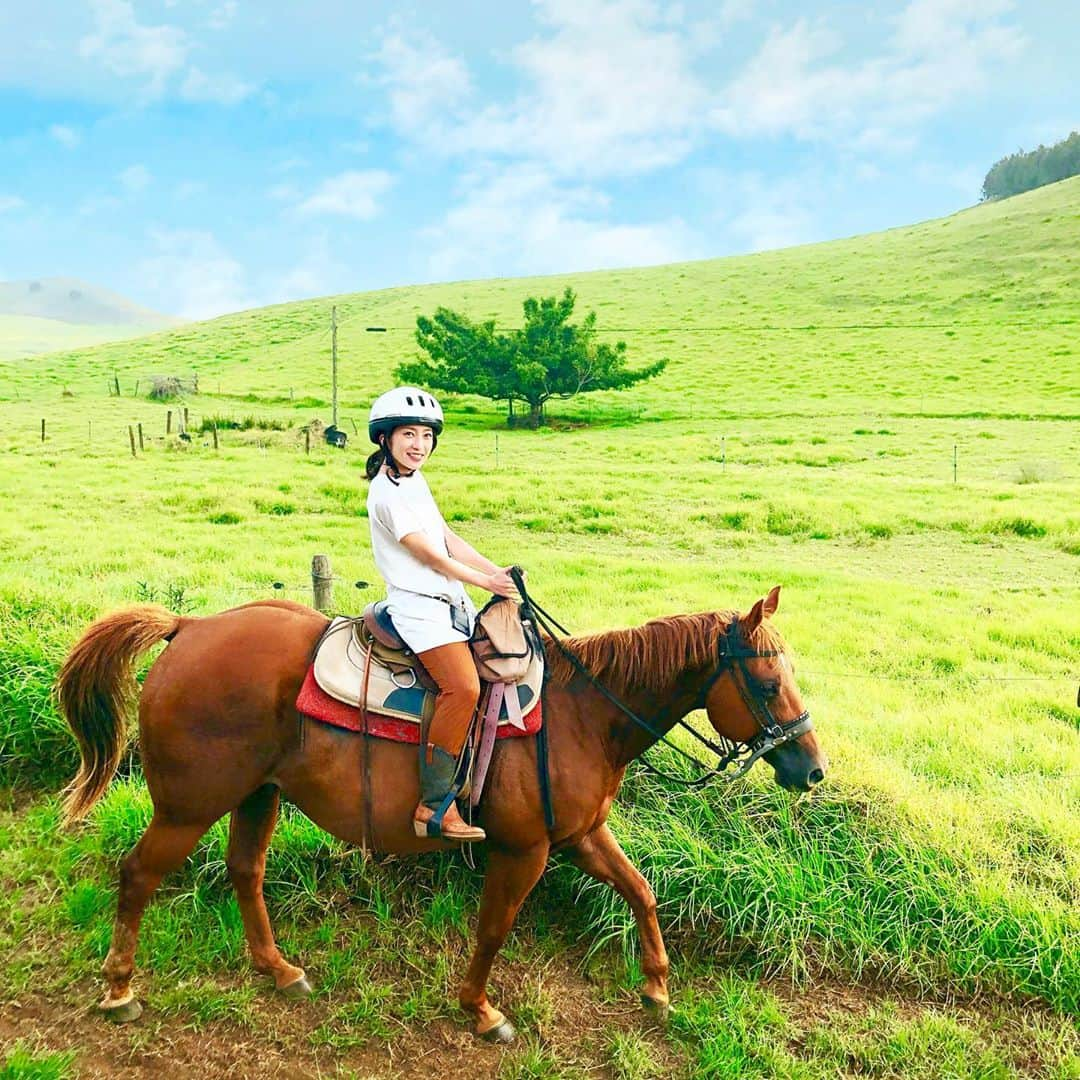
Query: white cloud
[[135, 178], [942, 51], [610, 90], [753, 212], [65, 135], [318, 273], [352, 194], [11, 202], [425, 82], [221, 89], [519, 220], [194, 275], [222, 16], [771, 225], [131, 50]]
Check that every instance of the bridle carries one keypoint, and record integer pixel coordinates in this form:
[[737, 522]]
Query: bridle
[[735, 757], [771, 732]]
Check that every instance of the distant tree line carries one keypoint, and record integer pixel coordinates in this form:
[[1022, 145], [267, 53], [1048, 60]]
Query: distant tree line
[[1025, 171]]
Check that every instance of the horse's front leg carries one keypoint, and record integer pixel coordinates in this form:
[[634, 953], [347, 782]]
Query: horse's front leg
[[600, 856], [509, 879]]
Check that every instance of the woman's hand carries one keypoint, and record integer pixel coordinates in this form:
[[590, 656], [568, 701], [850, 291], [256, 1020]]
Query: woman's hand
[[501, 584]]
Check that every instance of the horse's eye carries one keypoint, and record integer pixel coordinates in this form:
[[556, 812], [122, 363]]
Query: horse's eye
[[772, 688]]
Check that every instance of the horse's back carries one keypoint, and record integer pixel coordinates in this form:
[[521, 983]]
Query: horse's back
[[217, 707]]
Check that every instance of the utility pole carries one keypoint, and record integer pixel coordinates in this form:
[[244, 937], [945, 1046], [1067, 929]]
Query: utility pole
[[333, 357]]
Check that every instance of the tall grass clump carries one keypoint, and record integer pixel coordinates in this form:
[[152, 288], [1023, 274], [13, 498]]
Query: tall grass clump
[[36, 746], [835, 883]]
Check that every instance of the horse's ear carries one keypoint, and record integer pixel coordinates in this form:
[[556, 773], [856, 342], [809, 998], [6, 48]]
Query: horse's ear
[[772, 601], [753, 620], [762, 610]]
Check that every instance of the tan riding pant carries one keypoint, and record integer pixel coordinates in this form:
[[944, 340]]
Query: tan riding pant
[[452, 668]]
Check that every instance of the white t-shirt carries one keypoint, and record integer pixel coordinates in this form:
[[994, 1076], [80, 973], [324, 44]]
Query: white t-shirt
[[394, 511]]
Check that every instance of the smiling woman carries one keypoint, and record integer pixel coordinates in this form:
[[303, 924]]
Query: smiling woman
[[425, 565]]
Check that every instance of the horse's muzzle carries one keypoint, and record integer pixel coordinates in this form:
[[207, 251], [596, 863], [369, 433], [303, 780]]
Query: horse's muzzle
[[798, 767]]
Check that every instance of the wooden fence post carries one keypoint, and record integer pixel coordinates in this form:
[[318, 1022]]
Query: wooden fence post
[[42, 429], [322, 583], [116, 383], [131, 439], [307, 438], [185, 418], [140, 436], [168, 422], [214, 430]]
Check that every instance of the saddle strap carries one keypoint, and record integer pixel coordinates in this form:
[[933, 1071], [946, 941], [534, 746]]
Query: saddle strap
[[488, 727], [366, 835], [513, 706]]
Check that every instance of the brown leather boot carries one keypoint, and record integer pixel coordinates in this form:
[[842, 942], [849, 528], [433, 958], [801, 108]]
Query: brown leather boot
[[437, 790], [454, 826]]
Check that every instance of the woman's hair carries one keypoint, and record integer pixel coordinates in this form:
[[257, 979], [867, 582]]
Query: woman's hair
[[375, 463]]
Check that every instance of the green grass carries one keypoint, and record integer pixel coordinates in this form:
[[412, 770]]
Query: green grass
[[21, 1064], [805, 434]]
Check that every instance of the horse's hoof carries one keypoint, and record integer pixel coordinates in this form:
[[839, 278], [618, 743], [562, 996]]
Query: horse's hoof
[[659, 1011], [501, 1034], [297, 990], [123, 1014]]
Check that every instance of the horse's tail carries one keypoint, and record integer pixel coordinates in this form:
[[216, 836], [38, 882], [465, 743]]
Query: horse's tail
[[95, 689]]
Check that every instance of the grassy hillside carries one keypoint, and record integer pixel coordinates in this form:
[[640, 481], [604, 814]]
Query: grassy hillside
[[65, 313], [27, 335], [806, 433]]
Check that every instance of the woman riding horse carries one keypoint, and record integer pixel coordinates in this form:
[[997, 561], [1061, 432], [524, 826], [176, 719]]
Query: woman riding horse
[[424, 563]]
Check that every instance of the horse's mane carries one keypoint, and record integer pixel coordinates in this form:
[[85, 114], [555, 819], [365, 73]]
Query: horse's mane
[[650, 657]]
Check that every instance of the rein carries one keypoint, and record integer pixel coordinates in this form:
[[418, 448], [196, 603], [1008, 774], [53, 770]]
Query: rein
[[730, 752]]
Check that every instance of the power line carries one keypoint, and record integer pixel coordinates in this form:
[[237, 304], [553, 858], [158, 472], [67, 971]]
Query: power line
[[727, 328]]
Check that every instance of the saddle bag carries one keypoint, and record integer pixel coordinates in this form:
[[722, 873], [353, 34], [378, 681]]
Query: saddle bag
[[502, 642]]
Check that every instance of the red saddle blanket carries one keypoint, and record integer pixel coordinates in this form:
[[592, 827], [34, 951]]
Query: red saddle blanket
[[313, 701]]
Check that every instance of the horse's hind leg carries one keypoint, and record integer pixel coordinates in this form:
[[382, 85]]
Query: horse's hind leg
[[250, 830], [600, 856], [163, 847]]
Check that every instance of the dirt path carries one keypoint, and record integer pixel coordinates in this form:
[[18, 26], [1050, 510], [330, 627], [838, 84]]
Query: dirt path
[[278, 1040]]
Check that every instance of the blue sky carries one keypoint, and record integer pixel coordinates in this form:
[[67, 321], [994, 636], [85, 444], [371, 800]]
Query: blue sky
[[202, 156]]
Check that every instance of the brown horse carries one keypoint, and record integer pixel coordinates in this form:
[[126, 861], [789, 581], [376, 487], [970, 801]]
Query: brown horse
[[219, 734]]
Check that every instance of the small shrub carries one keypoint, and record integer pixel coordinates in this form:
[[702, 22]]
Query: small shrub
[[1017, 527], [738, 519], [1032, 472], [786, 522], [277, 509], [878, 531], [171, 387], [242, 423], [225, 517]]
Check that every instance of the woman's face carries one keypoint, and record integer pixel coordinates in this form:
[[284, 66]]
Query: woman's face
[[410, 445]]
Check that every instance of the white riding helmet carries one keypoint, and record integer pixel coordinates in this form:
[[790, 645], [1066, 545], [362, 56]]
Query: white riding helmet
[[403, 405]]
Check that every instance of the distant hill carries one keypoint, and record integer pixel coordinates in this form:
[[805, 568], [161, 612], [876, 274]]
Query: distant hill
[[975, 311], [44, 314]]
